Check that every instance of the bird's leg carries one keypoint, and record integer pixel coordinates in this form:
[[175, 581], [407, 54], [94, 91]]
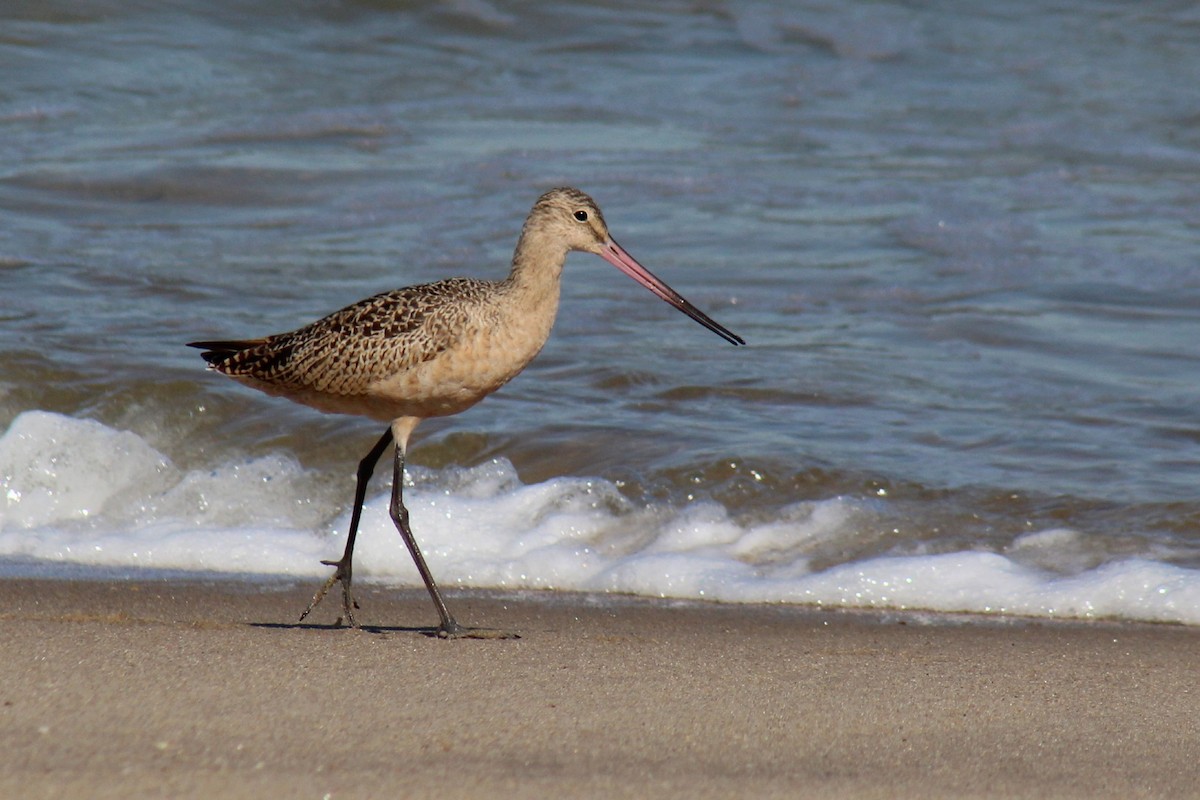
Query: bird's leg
[[344, 570], [448, 627]]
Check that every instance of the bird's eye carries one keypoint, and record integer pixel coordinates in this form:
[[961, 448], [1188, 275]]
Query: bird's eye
[[581, 216]]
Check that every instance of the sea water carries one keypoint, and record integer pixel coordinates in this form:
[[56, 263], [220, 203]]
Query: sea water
[[962, 242]]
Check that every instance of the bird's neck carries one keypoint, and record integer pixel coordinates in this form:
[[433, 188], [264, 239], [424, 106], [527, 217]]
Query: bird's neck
[[529, 295], [537, 265]]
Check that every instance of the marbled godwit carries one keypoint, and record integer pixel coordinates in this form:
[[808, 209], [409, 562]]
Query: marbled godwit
[[430, 351]]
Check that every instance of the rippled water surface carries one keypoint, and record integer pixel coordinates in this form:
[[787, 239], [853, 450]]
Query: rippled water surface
[[962, 240]]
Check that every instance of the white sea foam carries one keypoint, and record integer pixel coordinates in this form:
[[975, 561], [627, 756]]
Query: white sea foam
[[77, 493]]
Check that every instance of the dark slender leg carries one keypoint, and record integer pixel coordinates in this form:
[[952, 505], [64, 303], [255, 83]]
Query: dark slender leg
[[448, 627], [344, 570]]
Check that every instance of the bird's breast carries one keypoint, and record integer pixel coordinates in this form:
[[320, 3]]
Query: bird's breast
[[487, 354]]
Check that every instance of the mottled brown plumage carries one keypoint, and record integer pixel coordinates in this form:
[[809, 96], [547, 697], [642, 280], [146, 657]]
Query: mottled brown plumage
[[342, 362], [432, 350]]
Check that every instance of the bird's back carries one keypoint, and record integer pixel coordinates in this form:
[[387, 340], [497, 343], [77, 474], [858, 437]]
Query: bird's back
[[351, 360]]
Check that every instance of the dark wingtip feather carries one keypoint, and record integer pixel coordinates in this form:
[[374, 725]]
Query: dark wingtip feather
[[216, 352]]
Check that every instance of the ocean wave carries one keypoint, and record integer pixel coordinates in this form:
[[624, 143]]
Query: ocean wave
[[80, 494]]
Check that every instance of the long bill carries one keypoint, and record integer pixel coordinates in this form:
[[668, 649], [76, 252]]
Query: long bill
[[614, 254]]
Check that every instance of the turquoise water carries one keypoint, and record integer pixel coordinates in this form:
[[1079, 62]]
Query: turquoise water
[[961, 240]]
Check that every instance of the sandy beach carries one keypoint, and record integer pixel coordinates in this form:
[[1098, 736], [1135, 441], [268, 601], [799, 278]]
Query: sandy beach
[[168, 689]]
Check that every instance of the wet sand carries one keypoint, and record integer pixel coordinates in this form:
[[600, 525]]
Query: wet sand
[[170, 689]]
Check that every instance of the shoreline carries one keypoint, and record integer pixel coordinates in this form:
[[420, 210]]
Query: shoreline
[[188, 688]]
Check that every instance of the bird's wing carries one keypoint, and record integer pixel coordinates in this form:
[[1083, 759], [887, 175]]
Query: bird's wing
[[347, 351]]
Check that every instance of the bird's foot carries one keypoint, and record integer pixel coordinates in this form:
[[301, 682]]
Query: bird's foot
[[340, 575], [452, 630]]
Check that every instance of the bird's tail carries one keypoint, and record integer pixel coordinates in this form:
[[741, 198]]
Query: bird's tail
[[216, 352]]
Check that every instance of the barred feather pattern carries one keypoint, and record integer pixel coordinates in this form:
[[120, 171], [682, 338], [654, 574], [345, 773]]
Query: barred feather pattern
[[345, 353]]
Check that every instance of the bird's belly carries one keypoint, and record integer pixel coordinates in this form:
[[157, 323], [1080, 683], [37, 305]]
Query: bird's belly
[[461, 376]]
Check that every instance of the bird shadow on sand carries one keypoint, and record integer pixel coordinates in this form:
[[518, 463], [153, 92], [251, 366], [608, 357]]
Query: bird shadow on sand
[[424, 630]]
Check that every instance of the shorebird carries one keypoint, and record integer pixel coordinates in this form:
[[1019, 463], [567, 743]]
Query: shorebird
[[430, 351]]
